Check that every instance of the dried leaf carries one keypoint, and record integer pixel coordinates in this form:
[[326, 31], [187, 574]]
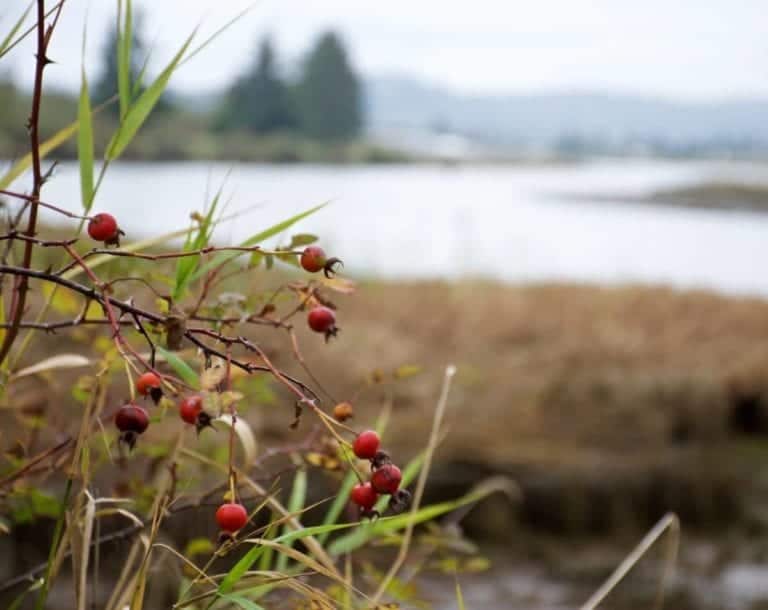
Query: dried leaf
[[339, 284], [244, 433], [62, 361]]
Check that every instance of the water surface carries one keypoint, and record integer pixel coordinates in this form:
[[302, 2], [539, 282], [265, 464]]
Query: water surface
[[511, 223]]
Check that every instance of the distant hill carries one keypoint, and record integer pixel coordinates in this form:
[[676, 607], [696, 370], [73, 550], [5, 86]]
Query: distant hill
[[569, 119]]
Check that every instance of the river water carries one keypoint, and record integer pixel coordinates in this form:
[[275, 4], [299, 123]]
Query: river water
[[512, 223]]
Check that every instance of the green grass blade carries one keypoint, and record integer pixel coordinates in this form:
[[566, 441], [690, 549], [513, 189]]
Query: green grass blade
[[244, 564], [265, 562], [186, 265], [124, 41], [339, 502], [6, 43], [295, 505], [256, 239], [459, 597], [218, 32], [242, 602], [85, 138], [141, 108], [384, 527], [181, 368]]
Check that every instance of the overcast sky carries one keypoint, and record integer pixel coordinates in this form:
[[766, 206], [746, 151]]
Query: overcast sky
[[680, 49]]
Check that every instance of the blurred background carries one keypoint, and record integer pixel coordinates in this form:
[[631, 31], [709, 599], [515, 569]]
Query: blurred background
[[567, 200]]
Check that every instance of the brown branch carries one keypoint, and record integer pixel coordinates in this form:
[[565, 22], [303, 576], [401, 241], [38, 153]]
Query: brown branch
[[50, 206]]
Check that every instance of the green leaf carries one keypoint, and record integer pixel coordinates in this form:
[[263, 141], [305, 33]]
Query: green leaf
[[255, 240], [295, 504], [302, 239], [6, 43], [241, 601], [186, 265], [339, 502], [216, 34], [181, 368], [85, 138], [384, 527], [141, 108], [124, 41], [241, 567]]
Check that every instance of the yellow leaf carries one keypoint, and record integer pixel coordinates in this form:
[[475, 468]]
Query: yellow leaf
[[339, 284]]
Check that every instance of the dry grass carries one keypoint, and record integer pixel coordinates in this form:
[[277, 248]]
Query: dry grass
[[554, 366]]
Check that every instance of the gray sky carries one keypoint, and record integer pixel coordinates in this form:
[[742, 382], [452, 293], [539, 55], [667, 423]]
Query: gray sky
[[683, 49]]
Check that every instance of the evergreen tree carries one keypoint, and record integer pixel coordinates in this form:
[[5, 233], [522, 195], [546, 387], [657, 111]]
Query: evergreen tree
[[329, 93], [259, 101]]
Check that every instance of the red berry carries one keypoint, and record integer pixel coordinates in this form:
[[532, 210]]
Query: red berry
[[103, 227], [190, 408], [313, 259], [322, 319], [231, 517], [147, 383], [364, 496], [366, 445], [386, 479], [131, 418]]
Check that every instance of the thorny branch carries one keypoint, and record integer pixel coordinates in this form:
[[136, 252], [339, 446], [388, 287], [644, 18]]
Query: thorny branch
[[19, 297]]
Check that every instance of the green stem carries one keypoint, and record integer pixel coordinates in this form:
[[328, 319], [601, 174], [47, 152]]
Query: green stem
[[43, 596]]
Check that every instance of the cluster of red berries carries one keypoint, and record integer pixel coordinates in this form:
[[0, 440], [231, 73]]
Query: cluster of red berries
[[131, 419], [321, 319], [385, 477], [103, 227]]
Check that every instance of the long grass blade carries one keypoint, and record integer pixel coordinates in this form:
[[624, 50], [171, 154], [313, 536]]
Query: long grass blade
[[85, 137], [141, 108], [52, 143], [217, 33], [124, 42], [16, 27], [295, 504], [668, 522], [256, 239]]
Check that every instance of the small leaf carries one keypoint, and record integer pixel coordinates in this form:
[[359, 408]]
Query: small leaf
[[339, 284], [181, 368], [62, 361], [407, 370], [199, 546], [302, 239]]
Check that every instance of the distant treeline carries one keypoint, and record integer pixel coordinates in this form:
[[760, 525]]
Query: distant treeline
[[317, 116]]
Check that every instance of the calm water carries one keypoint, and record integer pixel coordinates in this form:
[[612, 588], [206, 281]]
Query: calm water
[[509, 223]]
